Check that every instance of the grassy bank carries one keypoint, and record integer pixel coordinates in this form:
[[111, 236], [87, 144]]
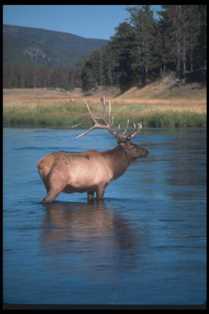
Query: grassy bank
[[67, 114]]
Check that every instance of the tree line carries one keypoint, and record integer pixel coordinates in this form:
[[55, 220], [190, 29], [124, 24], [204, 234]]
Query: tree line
[[145, 48], [142, 49], [29, 75]]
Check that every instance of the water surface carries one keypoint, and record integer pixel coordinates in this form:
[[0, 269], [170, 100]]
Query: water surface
[[145, 245]]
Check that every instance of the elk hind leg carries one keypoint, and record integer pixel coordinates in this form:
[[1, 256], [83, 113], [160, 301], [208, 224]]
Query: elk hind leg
[[55, 185], [51, 196]]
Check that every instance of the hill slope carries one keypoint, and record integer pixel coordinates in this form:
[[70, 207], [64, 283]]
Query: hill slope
[[38, 46], [166, 88]]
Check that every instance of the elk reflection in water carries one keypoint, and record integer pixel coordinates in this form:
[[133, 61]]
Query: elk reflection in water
[[91, 230]]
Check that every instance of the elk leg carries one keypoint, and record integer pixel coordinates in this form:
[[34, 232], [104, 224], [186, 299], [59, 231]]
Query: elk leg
[[90, 196], [55, 186], [50, 197], [100, 192]]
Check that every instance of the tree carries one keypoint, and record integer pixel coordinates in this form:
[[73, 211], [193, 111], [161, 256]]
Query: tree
[[111, 76], [87, 76], [165, 41], [184, 31], [122, 44], [145, 30]]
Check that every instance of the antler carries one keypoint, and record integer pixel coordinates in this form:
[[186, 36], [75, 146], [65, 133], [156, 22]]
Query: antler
[[106, 118], [132, 131], [108, 123]]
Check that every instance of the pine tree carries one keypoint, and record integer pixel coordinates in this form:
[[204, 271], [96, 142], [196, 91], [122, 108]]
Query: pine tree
[[165, 41], [122, 44], [184, 33], [146, 59], [88, 76]]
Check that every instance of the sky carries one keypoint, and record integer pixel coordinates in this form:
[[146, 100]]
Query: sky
[[90, 21]]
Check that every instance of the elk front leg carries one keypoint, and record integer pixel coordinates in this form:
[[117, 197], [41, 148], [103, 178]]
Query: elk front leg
[[100, 191]]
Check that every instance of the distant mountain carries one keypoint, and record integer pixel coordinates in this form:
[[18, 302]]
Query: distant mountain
[[23, 45]]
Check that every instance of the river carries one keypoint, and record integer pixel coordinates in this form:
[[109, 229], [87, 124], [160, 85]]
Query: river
[[145, 245]]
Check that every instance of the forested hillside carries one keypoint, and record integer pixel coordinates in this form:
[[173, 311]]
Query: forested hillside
[[143, 48], [42, 58]]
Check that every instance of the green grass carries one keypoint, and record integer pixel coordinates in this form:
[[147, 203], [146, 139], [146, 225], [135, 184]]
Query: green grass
[[64, 115], [68, 115], [175, 119]]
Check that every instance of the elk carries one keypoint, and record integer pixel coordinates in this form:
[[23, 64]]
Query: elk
[[91, 171]]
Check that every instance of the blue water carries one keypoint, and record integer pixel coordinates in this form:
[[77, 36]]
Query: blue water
[[145, 245]]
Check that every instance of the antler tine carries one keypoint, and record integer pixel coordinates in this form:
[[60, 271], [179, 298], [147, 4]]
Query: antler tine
[[126, 129], [90, 112], [93, 119], [140, 125], [86, 132], [107, 125], [136, 130], [112, 121], [109, 110], [96, 118], [103, 101], [106, 105]]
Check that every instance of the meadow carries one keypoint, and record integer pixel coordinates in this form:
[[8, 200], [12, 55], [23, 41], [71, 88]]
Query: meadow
[[62, 109]]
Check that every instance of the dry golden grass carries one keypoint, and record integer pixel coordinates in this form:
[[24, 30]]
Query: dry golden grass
[[56, 107], [166, 88], [44, 97]]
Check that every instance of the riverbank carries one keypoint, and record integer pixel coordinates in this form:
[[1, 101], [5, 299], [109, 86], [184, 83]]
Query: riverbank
[[55, 108]]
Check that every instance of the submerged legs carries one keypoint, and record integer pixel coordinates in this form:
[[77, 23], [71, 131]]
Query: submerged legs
[[90, 196], [51, 196], [99, 193], [54, 186]]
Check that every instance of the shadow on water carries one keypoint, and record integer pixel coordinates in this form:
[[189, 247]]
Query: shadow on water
[[90, 229]]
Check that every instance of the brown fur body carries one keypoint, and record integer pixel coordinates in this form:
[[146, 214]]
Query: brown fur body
[[87, 172]]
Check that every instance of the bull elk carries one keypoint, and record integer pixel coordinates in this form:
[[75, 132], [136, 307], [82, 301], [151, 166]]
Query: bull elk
[[91, 171]]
